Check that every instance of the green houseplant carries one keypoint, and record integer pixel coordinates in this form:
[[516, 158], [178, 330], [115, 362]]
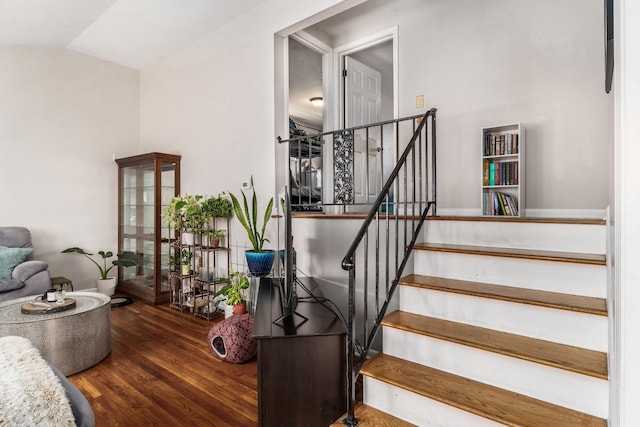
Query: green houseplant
[[187, 255], [217, 207], [258, 259], [234, 291], [173, 215], [194, 218], [215, 236], [105, 284]]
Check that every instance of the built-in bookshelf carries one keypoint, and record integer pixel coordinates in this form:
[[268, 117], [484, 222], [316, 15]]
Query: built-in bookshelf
[[503, 155]]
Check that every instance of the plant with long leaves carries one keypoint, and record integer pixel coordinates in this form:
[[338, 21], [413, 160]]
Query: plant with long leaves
[[124, 259], [249, 218]]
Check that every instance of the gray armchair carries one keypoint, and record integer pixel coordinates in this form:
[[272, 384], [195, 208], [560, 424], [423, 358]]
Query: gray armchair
[[29, 277]]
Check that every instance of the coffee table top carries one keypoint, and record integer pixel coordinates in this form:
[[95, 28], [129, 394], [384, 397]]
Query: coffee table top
[[85, 301]]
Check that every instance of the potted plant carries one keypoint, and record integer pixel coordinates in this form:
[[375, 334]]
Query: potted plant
[[234, 292], [107, 285], [194, 219], [172, 213], [259, 260], [174, 263], [217, 207], [213, 238], [186, 262]]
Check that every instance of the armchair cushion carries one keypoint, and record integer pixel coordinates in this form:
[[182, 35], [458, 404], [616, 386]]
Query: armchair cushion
[[10, 258], [27, 269], [10, 285]]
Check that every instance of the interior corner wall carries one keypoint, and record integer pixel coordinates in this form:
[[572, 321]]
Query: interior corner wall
[[63, 116], [213, 103]]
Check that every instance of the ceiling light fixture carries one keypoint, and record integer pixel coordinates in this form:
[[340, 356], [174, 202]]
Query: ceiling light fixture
[[317, 101]]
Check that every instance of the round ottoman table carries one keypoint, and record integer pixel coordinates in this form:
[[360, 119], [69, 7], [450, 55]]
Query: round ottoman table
[[72, 340]]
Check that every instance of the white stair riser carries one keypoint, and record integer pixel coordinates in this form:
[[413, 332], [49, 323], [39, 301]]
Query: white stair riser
[[418, 409], [549, 324], [579, 238], [564, 277], [576, 391]]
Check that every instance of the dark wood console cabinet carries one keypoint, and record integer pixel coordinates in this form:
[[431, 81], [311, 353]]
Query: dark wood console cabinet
[[301, 366]]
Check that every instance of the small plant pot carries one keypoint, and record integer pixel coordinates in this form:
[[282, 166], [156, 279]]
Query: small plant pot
[[240, 308], [106, 286], [186, 269], [188, 239]]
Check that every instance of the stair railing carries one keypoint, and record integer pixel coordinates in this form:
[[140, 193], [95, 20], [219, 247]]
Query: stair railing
[[386, 238], [394, 223]]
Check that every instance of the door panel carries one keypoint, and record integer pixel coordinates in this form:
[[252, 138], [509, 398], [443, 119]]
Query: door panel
[[363, 99]]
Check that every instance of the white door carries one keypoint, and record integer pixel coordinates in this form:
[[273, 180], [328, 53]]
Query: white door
[[363, 99]]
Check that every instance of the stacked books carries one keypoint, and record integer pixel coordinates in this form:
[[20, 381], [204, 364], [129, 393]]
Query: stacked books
[[499, 203]]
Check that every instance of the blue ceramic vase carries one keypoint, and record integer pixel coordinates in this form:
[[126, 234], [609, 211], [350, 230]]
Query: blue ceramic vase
[[260, 263]]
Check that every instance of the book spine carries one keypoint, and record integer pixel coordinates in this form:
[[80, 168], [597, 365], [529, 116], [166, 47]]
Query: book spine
[[485, 173], [512, 205], [492, 173], [485, 203], [500, 204], [505, 204]]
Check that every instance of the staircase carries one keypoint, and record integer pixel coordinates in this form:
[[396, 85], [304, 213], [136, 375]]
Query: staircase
[[504, 322]]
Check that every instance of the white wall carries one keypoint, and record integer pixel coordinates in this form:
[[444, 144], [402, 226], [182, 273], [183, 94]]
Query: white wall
[[62, 117], [492, 62], [213, 103], [625, 371]]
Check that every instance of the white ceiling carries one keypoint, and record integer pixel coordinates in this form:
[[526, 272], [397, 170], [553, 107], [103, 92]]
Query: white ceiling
[[133, 33]]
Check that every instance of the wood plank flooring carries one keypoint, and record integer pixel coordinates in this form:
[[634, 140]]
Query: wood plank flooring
[[161, 373]]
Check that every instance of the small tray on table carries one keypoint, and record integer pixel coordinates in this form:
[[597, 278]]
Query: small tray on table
[[54, 307]]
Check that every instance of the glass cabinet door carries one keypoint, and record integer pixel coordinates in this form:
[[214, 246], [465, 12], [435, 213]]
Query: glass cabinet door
[[167, 192], [138, 222], [147, 183]]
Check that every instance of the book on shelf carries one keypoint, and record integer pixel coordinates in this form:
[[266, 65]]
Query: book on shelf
[[500, 144], [492, 173], [485, 173], [507, 207], [499, 203]]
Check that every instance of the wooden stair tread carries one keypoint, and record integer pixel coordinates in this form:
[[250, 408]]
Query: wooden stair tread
[[583, 304], [595, 259], [488, 401], [562, 356], [372, 417]]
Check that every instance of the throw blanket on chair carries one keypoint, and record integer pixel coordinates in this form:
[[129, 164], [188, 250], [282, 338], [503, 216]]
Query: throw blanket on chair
[[30, 393]]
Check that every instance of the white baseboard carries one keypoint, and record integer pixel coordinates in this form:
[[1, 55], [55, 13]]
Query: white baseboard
[[534, 213]]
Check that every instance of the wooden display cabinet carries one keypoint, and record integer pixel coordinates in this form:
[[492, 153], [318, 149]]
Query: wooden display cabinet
[[146, 183]]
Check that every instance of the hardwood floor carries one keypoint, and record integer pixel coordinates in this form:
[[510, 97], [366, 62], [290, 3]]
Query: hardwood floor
[[161, 373]]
